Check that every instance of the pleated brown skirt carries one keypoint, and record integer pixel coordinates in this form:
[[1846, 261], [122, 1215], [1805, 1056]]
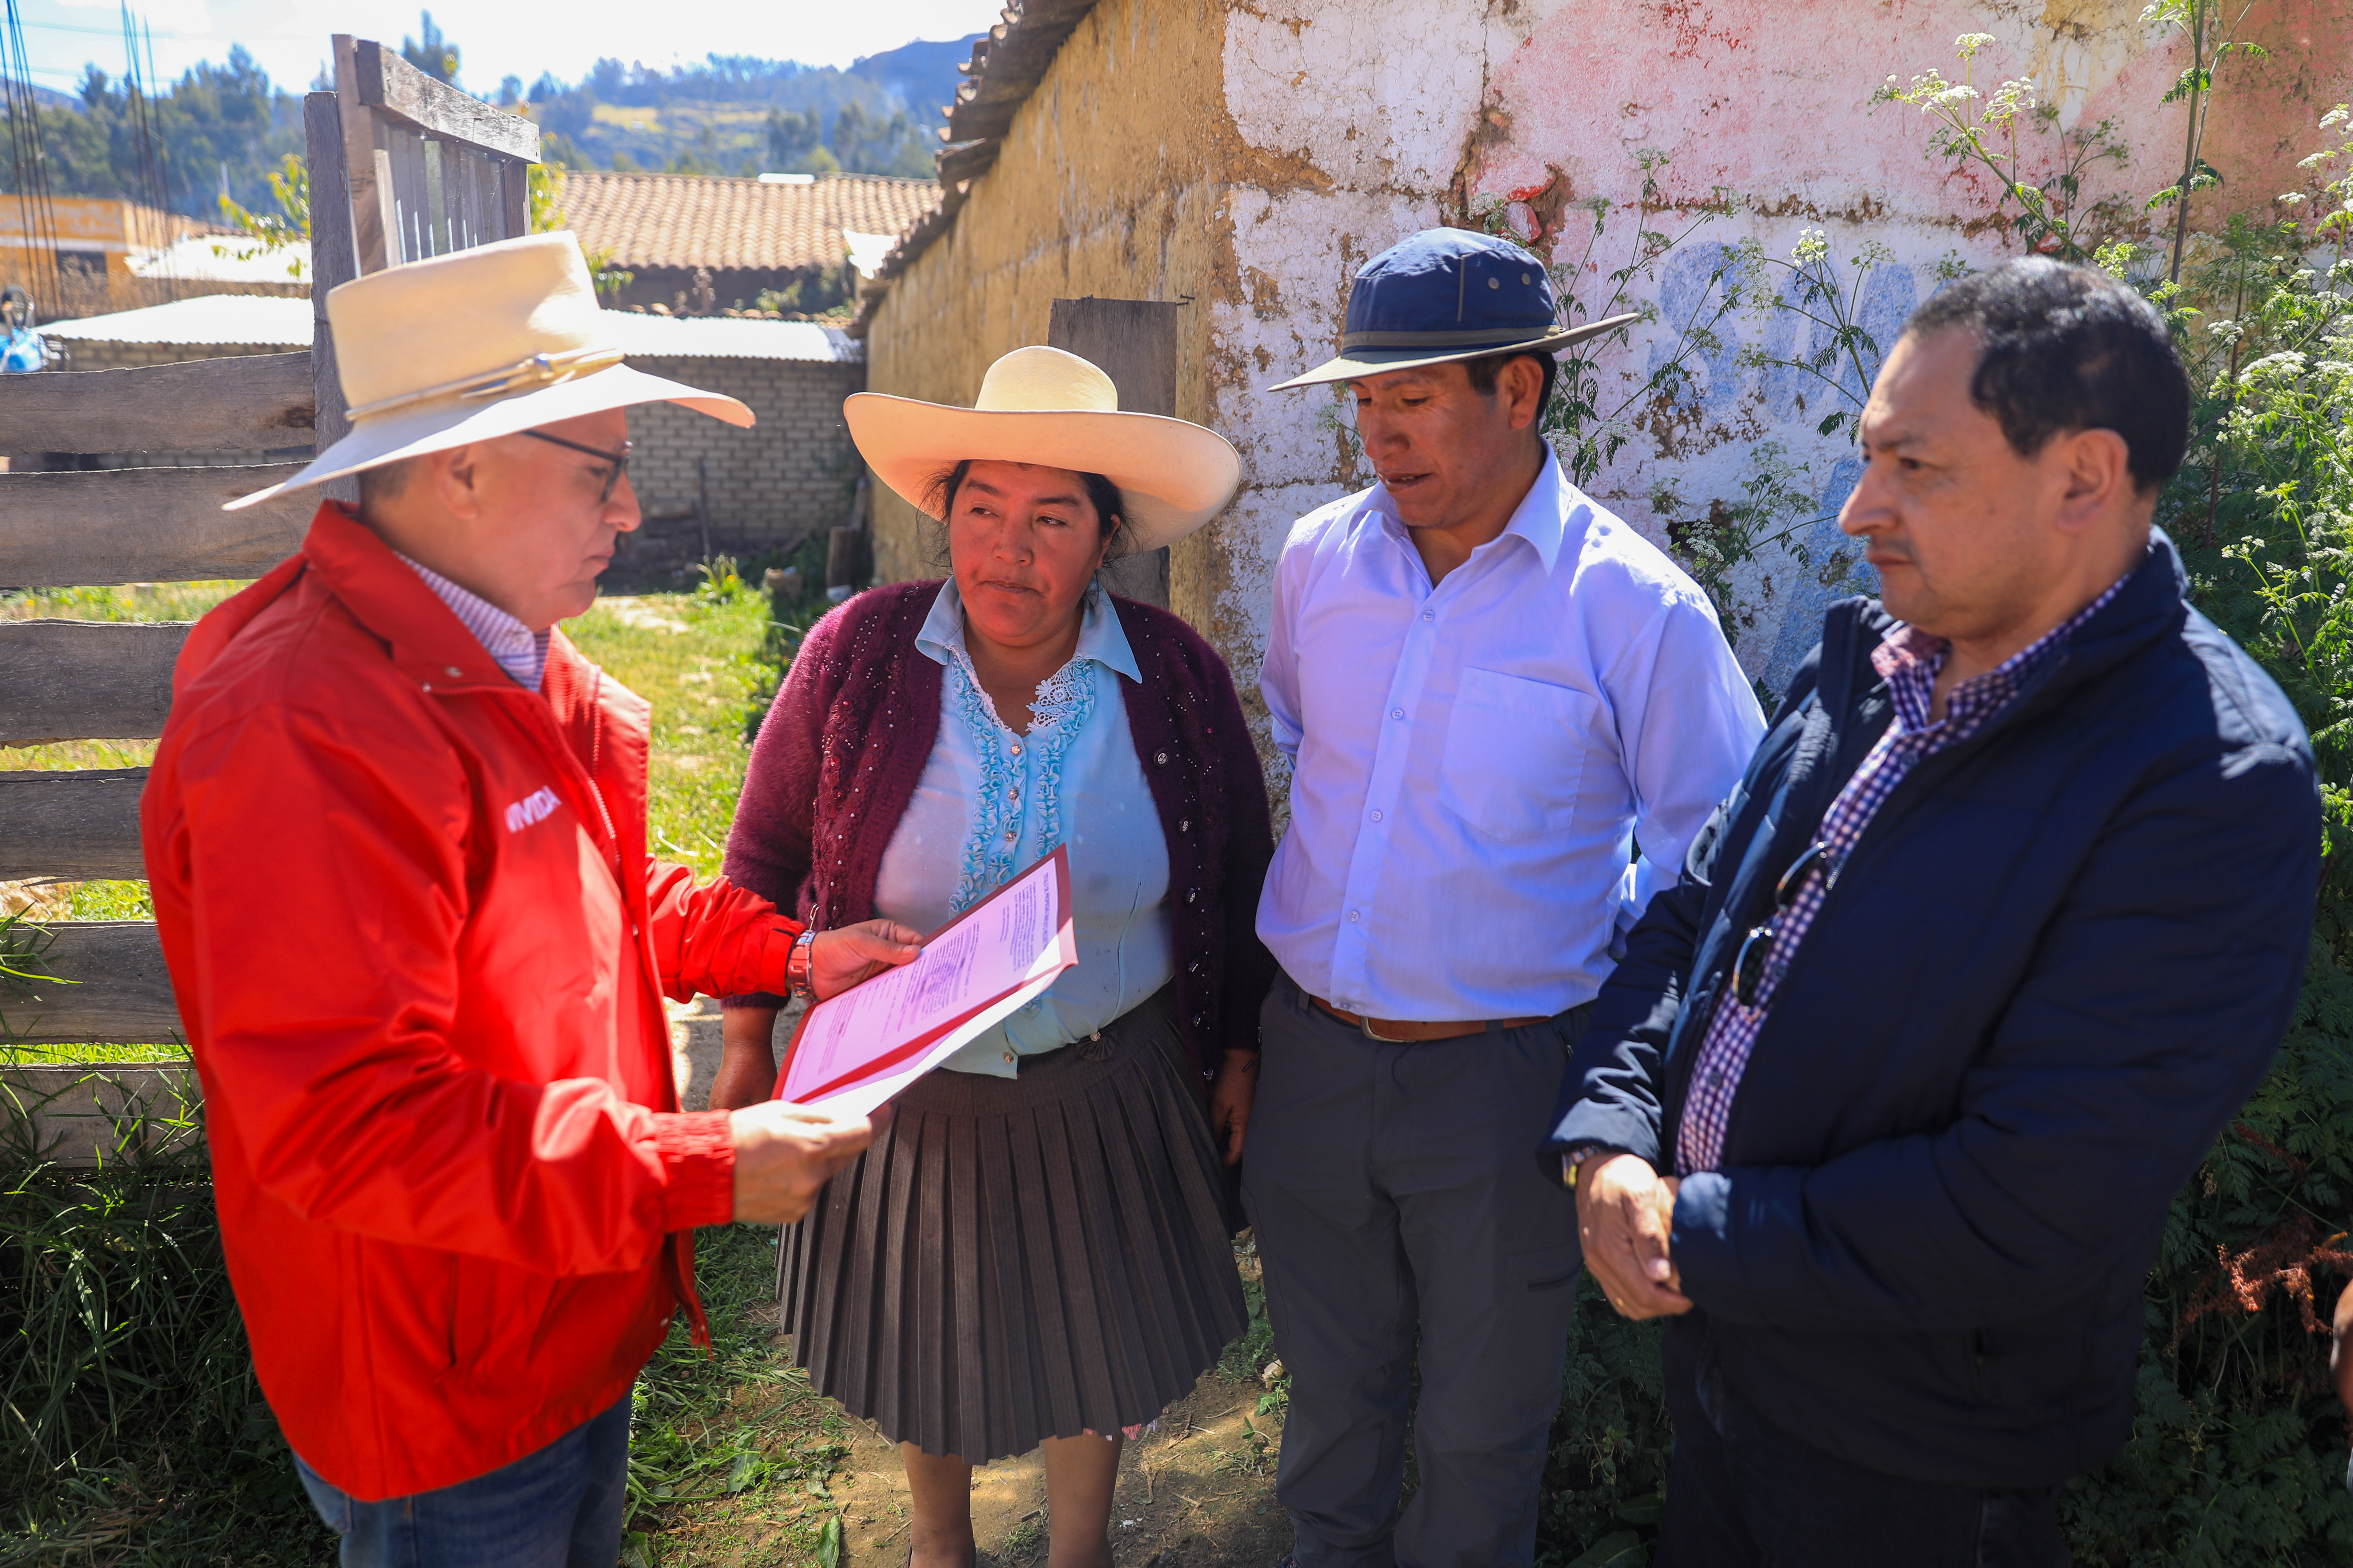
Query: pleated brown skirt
[[1022, 1259]]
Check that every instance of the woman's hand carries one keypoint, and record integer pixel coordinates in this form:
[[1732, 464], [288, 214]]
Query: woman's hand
[[1231, 1094], [747, 1059], [840, 959]]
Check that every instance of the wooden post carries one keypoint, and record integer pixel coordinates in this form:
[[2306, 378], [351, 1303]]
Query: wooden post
[[367, 170], [1134, 342], [334, 260]]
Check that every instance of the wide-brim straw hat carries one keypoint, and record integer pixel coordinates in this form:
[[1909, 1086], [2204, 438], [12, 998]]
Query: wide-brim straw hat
[[1055, 410], [476, 344]]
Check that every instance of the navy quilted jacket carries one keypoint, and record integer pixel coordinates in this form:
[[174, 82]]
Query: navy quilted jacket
[[2058, 960]]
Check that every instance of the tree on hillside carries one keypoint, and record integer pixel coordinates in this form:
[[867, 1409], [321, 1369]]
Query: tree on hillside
[[869, 144], [793, 136], [434, 55], [217, 119]]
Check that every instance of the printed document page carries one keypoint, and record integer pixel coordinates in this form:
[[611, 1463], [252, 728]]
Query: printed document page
[[905, 1021]]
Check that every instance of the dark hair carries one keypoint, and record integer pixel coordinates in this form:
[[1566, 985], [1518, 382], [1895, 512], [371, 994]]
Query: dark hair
[[384, 481], [1102, 494], [1487, 369], [2065, 348]]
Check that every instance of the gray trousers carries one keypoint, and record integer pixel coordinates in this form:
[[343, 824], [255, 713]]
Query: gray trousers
[[1395, 1187]]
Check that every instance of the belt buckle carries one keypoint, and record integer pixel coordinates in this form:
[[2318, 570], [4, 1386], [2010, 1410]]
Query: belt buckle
[[1365, 1022]]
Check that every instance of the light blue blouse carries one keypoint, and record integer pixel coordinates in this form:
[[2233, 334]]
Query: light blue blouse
[[991, 802]]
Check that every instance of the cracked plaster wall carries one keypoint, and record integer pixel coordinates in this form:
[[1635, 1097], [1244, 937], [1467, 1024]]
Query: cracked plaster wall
[[1253, 153], [1388, 115]]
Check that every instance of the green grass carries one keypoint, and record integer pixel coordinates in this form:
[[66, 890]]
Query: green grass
[[732, 1445], [697, 658]]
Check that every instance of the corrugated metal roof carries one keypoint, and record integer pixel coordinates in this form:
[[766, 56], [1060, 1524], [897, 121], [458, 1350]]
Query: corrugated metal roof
[[263, 318], [695, 220], [270, 321], [724, 337]]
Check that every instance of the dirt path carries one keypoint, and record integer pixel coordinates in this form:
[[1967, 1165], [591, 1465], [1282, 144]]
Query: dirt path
[[1198, 1492]]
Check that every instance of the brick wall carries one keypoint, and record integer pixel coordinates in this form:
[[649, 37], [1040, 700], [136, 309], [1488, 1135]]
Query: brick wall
[[769, 486]]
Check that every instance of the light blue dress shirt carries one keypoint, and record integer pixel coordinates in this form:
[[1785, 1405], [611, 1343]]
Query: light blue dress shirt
[[991, 802], [1474, 761]]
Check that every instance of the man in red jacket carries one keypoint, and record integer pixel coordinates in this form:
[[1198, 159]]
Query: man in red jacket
[[397, 833]]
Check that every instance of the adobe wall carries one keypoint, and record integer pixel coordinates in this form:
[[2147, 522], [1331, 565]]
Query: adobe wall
[[1108, 185], [769, 486], [1375, 118]]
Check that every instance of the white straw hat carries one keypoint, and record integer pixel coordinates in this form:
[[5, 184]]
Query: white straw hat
[[472, 345], [1053, 409]]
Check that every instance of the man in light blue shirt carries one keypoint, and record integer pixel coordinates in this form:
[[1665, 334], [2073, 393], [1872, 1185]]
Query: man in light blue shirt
[[1494, 694]]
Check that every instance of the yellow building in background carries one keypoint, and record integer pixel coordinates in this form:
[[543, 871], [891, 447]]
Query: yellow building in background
[[114, 255]]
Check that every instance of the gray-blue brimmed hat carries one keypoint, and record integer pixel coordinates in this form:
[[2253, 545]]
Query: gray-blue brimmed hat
[[1447, 294]]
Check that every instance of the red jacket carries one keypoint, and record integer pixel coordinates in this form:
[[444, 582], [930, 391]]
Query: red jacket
[[417, 943]]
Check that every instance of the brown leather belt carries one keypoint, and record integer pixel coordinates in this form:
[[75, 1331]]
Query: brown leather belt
[[1405, 1032]]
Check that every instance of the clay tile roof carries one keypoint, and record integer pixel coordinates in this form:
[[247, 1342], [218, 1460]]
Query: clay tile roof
[[695, 220]]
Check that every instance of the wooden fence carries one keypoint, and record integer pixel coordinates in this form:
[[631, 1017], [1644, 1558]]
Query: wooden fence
[[402, 167]]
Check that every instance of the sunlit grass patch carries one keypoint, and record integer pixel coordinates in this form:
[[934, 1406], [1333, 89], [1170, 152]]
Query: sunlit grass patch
[[699, 659], [125, 602]]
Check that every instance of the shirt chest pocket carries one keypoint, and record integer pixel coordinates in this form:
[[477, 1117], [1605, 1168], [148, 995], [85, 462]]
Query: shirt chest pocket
[[1515, 753]]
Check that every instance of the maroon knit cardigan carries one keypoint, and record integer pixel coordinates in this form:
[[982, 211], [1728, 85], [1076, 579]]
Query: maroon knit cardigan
[[842, 747]]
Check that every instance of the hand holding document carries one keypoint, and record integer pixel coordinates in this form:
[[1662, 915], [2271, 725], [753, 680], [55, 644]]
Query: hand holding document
[[859, 1049]]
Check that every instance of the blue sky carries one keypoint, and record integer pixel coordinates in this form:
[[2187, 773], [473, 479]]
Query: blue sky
[[495, 36]]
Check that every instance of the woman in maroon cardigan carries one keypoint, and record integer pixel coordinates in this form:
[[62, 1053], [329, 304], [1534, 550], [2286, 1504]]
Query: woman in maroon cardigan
[[1035, 1249]]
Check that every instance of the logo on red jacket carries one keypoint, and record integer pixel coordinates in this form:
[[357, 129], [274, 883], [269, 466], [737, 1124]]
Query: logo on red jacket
[[535, 807]]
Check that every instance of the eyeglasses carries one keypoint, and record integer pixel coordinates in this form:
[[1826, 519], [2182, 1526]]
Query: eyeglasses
[[1756, 948], [620, 460]]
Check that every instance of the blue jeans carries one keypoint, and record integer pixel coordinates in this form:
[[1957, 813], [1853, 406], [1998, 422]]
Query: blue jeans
[[558, 1508]]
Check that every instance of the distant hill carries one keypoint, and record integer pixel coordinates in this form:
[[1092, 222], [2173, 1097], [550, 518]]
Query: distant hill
[[219, 125], [920, 77], [228, 124], [737, 114]]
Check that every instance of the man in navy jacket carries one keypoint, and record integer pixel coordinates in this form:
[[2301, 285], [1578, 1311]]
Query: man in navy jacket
[[1886, 1104]]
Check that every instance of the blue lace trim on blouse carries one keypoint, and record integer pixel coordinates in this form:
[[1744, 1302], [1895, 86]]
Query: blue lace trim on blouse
[[1065, 700]]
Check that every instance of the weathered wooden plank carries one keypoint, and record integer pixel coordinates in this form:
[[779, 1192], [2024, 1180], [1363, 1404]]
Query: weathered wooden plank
[[334, 260], [124, 995], [366, 202], [256, 401], [144, 525], [1134, 342], [80, 825], [390, 84], [513, 200], [968, 159], [86, 680], [91, 1115]]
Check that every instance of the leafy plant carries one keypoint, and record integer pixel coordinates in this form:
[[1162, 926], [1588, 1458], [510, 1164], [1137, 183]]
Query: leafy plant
[[2054, 216], [289, 182], [2209, 45], [129, 1417]]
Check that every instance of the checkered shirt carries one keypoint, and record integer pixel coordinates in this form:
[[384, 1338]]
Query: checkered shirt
[[513, 646], [1908, 659]]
